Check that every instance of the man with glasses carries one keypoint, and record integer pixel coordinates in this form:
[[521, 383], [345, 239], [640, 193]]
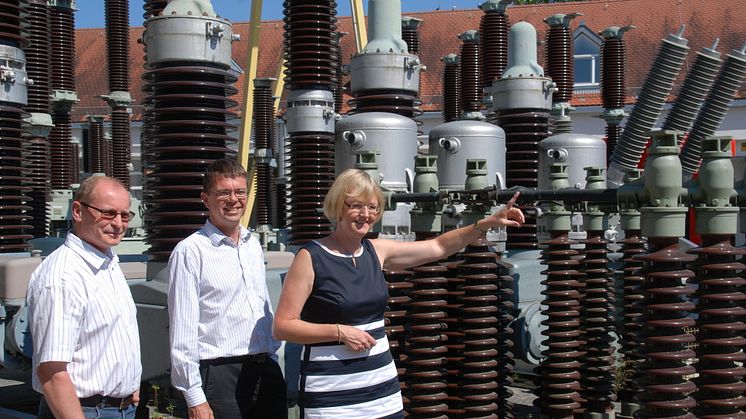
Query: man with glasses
[[223, 355], [86, 359]]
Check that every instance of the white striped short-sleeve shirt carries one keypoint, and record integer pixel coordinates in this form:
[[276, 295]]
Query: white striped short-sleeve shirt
[[81, 312], [218, 304]]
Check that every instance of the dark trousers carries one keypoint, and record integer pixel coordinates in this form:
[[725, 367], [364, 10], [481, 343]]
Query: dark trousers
[[244, 388]]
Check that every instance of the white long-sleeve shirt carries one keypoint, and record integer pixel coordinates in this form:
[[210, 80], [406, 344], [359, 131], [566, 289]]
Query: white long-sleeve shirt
[[218, 304], [81, 312]]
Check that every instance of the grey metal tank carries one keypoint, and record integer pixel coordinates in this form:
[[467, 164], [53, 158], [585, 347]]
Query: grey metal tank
[[576, 150], [393, 136], [458, 141]]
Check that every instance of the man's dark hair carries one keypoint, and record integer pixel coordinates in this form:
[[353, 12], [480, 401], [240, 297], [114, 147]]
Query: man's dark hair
[[222, 168]]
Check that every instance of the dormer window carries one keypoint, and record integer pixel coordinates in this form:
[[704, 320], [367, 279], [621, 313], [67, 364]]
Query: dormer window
[[587, 47]]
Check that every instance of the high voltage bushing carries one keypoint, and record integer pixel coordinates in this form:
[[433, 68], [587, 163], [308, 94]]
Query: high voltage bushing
[[613, 88], [598, 370], [14, 218], [39, 122], [521, 101], [117, 48], [95, 146], [666, 371], [558, 64], [62, 57], [451, 88], [631, 281], [714, 108], [478, 321], [694, 90], [385, 76], [649, 103], [471, 91], [264, 123], [410, 33], [311, 75], [425, 348], [558, 374], [493, 40], [187, 85], [719, 287], [153, 8]]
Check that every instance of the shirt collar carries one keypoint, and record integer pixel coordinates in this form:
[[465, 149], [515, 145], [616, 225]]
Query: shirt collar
[[92, 256], [217, 237]]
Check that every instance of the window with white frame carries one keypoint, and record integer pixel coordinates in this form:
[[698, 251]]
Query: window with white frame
[[587, 47]]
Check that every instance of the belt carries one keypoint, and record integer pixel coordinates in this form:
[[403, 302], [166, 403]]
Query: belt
[[106, 401], [255, 358]]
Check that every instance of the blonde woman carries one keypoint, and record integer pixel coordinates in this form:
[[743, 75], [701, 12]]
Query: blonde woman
[[335, 295]]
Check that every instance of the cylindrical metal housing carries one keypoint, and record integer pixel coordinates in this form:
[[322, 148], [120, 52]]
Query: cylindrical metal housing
[[456, 142], [576, 151], [393, 136], [13, 75], [385, 71], [310, 111], [188, 38]]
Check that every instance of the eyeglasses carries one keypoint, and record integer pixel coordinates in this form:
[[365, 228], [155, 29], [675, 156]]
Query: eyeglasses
[[372, 209], [225, 194], [111, 214]]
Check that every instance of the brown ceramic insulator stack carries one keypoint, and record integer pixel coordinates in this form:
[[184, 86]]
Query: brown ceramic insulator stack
[[120, 145], [188, 114], [96, 154], [10, 16], [37, 56], [339, 86], [62, 55], [720, 285], [117, 46], [395, 315], [280, 215], [598, 370], [666, 387], [264, 118], [107, 155], [398, 102], [612, 86], [505, 364], [411, 35], [451, 89], [479, 323], [523, 131], [613, 56], [455, 335], [425, 349], [559, 62], [153, 8], [311, 56], [37, 147], [471, 90], [61, 150], [632, 310], [558, 382], [117, 43], [14, 220], [493, 39]]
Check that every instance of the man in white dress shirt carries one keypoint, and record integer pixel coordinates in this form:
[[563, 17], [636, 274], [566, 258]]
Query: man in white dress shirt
[[86, 359], [223, 355]]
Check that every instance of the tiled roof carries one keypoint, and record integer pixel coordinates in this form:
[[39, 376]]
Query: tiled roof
[[705, 20]]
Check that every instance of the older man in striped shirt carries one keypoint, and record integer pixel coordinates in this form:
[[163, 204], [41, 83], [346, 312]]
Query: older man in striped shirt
[[223, 355], [86, 358]]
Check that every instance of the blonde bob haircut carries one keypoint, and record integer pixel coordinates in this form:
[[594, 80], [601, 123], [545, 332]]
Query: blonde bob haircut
[[351, 184]]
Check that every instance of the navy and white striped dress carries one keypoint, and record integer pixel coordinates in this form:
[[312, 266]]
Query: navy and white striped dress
[[336, 382]]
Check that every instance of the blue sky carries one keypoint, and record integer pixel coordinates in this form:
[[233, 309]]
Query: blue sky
[[90, 13]]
